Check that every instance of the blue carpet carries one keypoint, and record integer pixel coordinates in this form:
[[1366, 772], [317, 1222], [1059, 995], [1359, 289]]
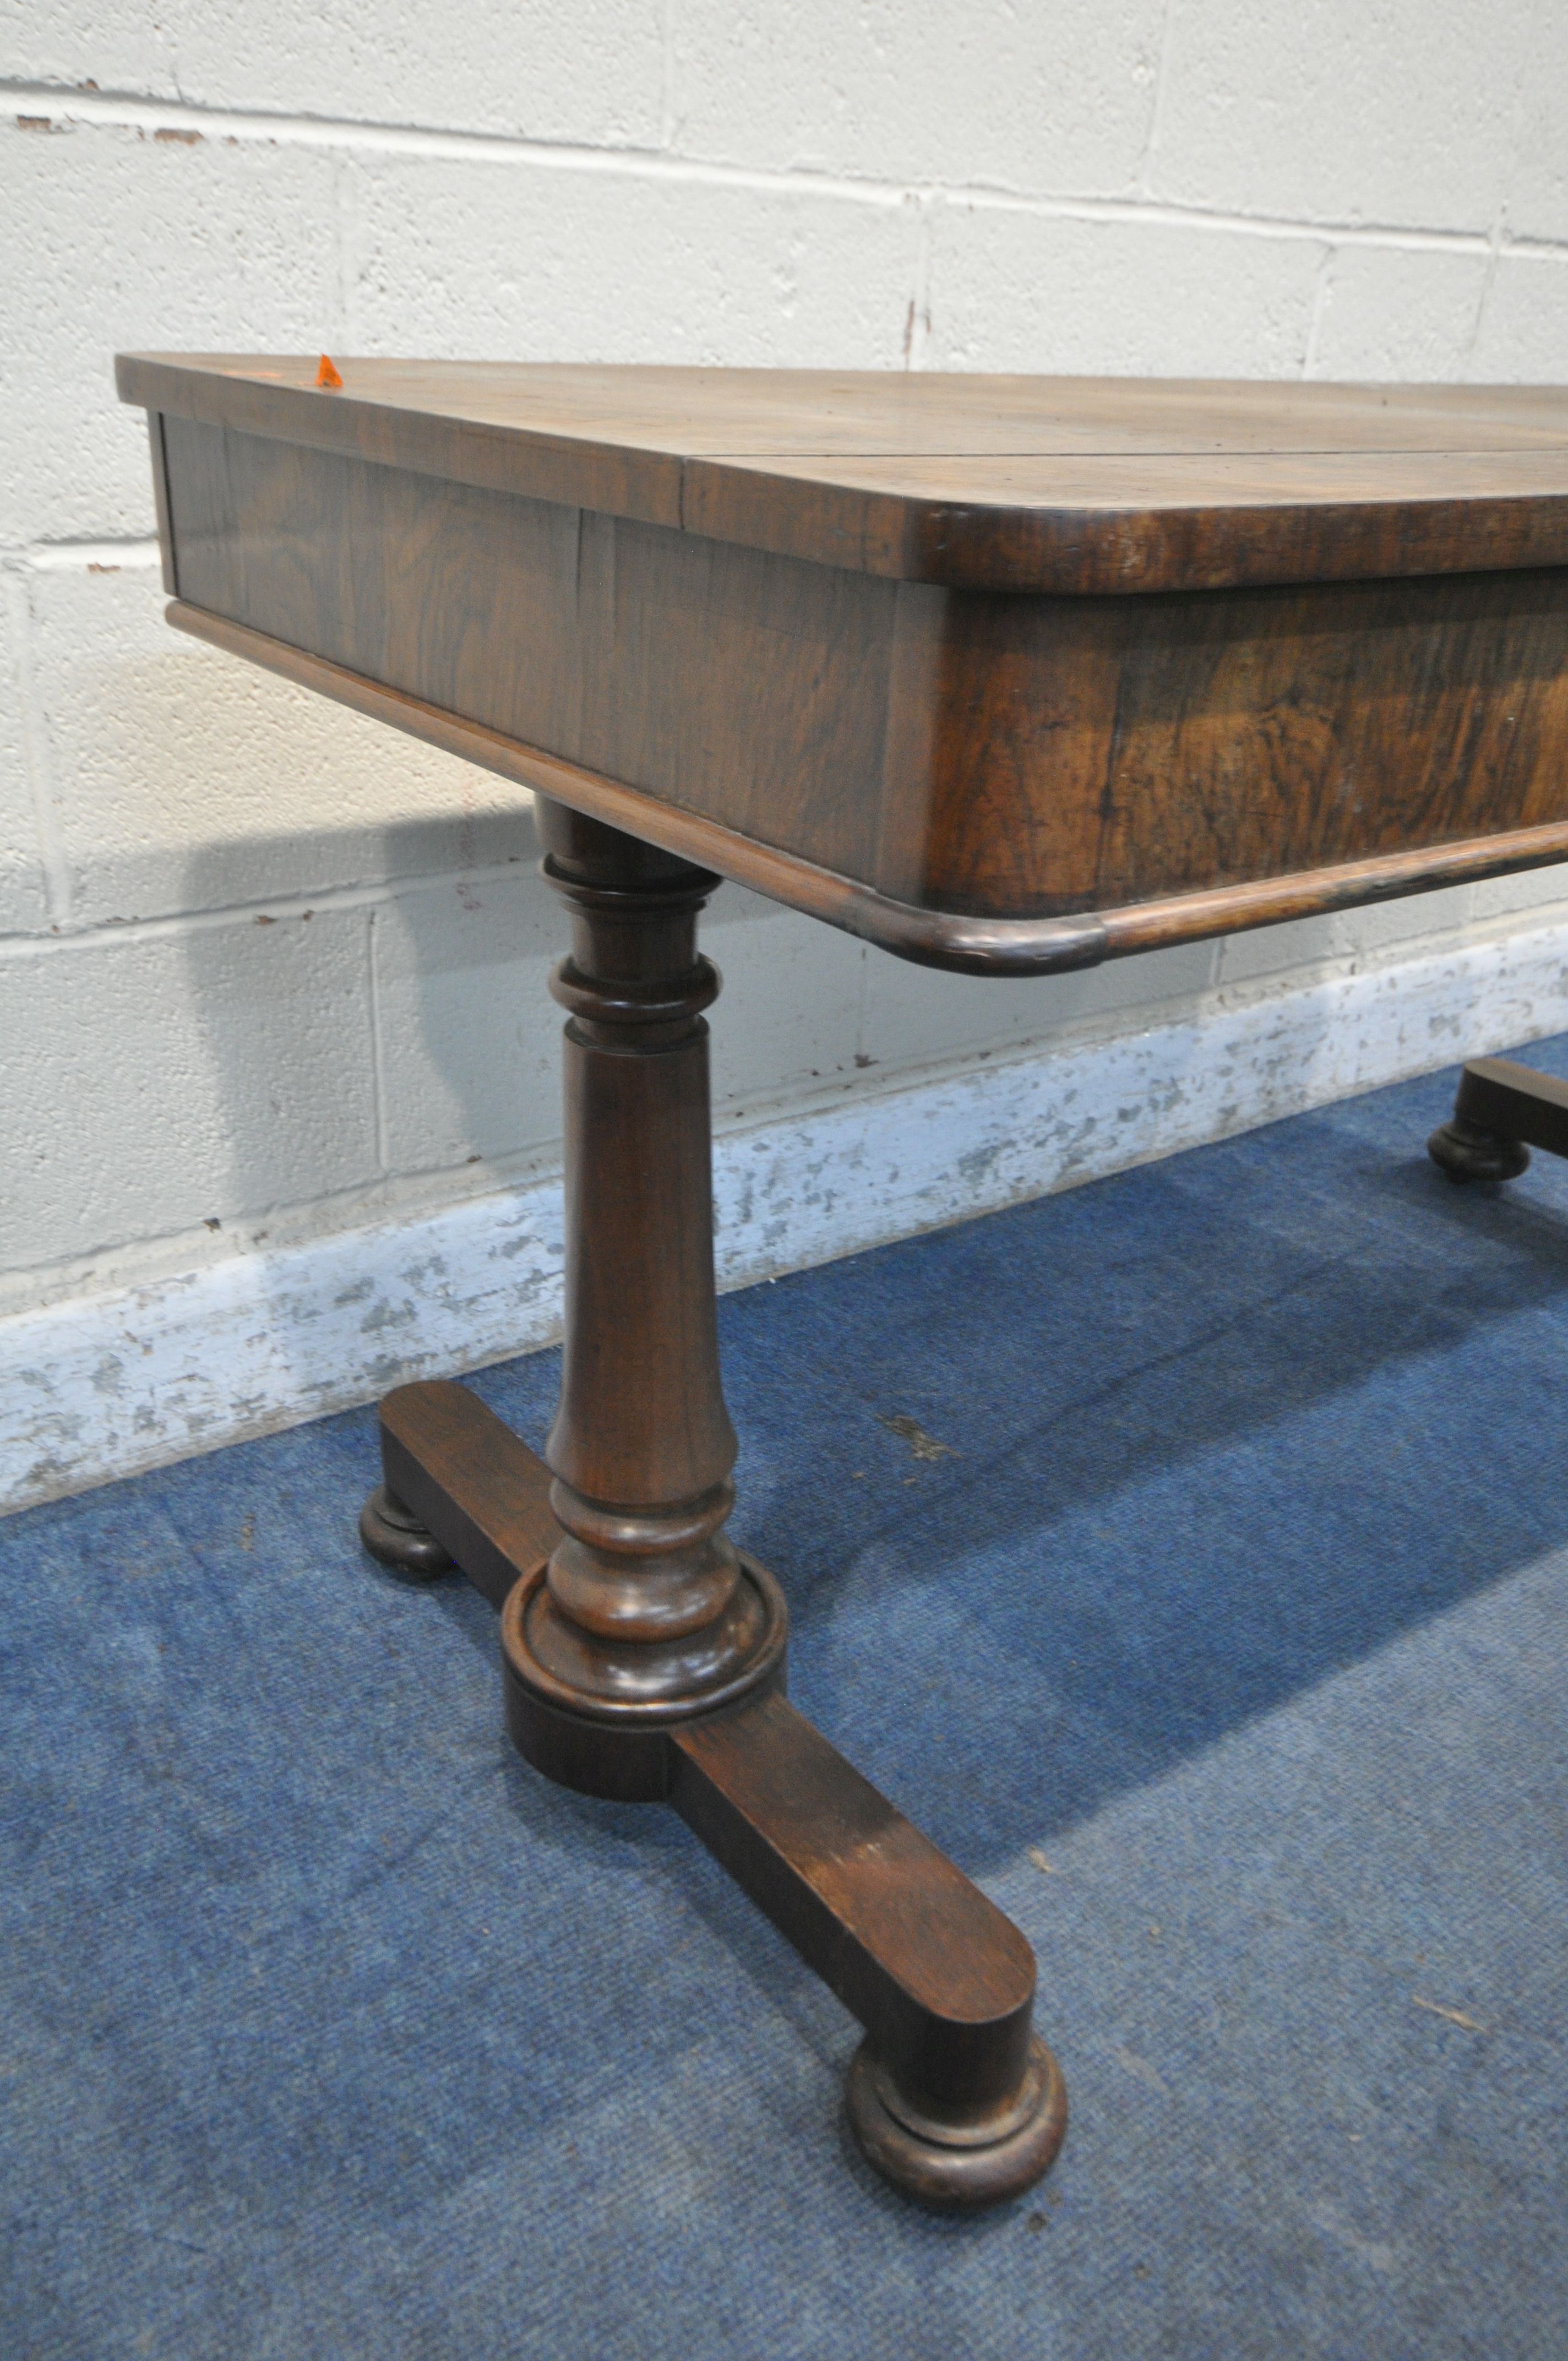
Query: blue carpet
[[1227, 1648]]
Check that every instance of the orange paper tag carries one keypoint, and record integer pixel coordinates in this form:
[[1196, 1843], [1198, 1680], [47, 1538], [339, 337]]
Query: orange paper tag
[[326, 374]]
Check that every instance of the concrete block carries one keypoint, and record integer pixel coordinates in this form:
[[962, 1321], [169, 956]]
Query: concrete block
[[23, 901], [161, 1081], [1397, 313], [188, 780], [118, 239], [557, 70], [1536, 897], [121, 48], [133, 1375], [1290, 954], [788, 1021], [915, 1015], [1537, 188], [1523, 336], [524, 262], [1012, 290], [1385, 934], [468, 1036], [1306, 110], [1043, 100]]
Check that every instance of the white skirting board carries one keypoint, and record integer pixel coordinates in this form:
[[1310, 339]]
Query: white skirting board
[[106, 1385]]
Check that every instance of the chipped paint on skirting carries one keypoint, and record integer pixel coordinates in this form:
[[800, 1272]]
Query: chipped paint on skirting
[[109, 1384]]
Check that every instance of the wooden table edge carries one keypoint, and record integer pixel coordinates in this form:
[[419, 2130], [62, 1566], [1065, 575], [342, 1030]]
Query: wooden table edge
[[952, 940], [1070, 549]]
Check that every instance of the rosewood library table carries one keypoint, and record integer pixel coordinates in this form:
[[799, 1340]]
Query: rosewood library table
[[1005, 675]]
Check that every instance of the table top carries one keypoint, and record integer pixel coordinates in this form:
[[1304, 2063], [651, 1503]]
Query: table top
[[1070, 485]]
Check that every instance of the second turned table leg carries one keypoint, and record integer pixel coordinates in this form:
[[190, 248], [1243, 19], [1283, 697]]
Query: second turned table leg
[[644, 1655]]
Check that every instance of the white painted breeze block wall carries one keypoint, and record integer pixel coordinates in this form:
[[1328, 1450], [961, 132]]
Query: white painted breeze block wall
[[280, 1098]]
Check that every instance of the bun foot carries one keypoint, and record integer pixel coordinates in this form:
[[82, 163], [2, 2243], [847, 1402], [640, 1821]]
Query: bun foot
[[396, 1538], [950, 2165], [1465, 1152]]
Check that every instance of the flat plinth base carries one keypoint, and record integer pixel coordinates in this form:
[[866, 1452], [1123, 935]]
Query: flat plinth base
[[396, 1538], [947, 2176]]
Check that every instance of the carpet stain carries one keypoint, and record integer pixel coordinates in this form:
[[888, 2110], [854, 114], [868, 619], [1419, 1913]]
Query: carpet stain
[[1454, 2016], [909, 1430]]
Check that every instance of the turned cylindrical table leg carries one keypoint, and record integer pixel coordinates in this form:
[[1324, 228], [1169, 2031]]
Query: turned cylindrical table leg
[[646, 1613], [644, 1653]]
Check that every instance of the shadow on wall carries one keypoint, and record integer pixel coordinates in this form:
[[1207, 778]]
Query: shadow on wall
[[368, 1052], [405, 1030], [391, 1050], [399, 1028], [394, 1048]]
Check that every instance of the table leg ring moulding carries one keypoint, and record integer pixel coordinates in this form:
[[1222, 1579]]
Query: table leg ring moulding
[[644, 1655]]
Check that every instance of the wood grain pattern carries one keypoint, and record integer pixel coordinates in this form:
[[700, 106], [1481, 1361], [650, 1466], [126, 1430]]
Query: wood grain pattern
[[908, 1944], [1080, 486], [999, 756], [1095, 525], [647, 1433], [1092, 753], [953, 940], [749, 687]]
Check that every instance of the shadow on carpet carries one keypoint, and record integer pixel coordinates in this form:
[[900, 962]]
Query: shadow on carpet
[[1223, 1637]]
